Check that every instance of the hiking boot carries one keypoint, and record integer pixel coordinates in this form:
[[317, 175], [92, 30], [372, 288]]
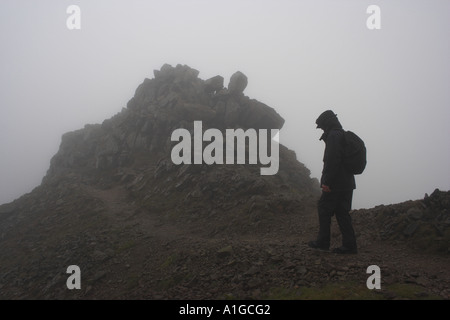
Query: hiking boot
[[317, 245], [345, 250]]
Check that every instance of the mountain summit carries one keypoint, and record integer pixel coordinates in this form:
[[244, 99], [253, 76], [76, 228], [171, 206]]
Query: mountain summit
[[134, 149]]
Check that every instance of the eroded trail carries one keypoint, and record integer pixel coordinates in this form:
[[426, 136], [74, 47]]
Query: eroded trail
[[124, 210]]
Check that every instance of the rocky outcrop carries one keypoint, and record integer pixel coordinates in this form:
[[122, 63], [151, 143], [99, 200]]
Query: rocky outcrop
[[135, 146], [238, 83], [423, 224], [173, 99]]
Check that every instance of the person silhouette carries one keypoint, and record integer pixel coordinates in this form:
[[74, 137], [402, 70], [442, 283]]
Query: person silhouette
[[337, 188]]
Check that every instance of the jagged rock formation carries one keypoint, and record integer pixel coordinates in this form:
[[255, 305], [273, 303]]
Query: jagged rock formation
[[173, 99], [135, 146]]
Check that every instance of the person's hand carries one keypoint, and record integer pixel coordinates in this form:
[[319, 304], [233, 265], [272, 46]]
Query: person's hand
[[326, 188]]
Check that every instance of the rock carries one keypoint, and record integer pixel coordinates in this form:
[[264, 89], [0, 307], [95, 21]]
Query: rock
[[144, 94], [225, 252], [252, 271], [7, 208], [98, 276], [166, 72], [411, 228], [169, 100], [232, 113], [238, 83], [254, 283], [184, 74], [214, 84], [99, 256], [194, 112], [260, 116], [302, 270], [415, 213]]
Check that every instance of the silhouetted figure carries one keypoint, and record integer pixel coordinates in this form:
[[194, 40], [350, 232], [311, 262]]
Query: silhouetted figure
[[337, 188]]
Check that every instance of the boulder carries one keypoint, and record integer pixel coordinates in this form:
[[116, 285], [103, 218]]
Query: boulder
[[415, 213], [238, 83], [214, 84]]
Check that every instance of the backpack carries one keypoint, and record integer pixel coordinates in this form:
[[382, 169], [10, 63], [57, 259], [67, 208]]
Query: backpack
[[355, 153]]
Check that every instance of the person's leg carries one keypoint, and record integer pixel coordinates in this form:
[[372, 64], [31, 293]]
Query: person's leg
[[325, 208], [344, 220]]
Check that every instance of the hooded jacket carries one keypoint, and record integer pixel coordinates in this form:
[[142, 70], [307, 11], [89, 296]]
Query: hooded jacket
[[334, 175]]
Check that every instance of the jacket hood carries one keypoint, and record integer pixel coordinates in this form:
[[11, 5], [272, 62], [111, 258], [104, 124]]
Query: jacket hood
[[327, 121]]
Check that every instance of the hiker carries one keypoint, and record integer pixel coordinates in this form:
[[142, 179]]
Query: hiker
[[337, 185]]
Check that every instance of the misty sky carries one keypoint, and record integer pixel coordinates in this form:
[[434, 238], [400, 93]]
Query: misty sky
[[390, 86]]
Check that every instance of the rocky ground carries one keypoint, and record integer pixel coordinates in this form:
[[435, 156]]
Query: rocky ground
[[126, 253]]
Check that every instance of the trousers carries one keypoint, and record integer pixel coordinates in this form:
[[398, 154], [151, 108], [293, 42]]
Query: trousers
[[336, 203]]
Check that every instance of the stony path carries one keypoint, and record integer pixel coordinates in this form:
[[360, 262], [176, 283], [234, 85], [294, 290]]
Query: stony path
[[247, 266]]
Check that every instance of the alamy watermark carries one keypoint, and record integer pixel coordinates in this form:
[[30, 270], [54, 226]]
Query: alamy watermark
[[374, 281], [374, 20], [73, 21], [235, 147], [74, 280]]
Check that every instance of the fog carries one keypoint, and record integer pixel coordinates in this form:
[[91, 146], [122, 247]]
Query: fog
[[391, 85]]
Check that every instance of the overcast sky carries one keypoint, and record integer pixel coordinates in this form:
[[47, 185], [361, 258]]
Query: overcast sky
[[391, 86]]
